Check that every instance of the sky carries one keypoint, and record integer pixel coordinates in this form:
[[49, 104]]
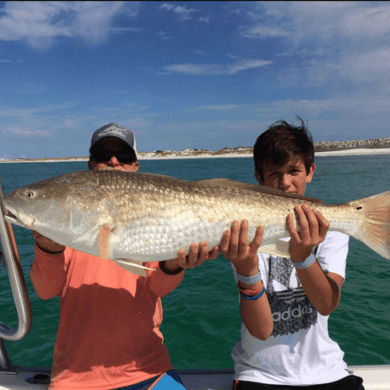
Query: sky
[[202, 75]]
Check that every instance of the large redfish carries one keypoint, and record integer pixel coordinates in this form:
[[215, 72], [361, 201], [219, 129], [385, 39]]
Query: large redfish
[[137, 217]]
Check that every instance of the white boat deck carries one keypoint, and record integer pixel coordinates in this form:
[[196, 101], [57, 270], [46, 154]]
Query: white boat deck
[[375, 377]]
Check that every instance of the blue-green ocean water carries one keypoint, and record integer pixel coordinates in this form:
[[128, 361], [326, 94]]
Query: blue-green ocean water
[[201, 317]]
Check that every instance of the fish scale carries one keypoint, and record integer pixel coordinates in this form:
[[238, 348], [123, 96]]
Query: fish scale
[[133, 218]]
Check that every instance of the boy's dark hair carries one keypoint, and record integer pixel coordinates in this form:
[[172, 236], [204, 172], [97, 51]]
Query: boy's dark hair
[[282, 142]]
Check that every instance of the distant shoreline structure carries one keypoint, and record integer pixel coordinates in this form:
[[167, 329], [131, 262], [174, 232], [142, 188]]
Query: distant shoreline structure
[[327, 148]]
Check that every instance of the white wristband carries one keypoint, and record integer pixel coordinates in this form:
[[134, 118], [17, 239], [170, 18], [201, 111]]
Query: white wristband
[[306, 263], [249, 279]]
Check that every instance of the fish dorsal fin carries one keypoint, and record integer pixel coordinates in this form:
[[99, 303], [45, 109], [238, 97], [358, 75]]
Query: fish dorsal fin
[[279, 248], [133, 267], [223, 182]]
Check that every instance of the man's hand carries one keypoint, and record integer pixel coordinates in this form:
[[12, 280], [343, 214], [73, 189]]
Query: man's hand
[[197, 255], [234, 247], [313, 227], [46, 244]]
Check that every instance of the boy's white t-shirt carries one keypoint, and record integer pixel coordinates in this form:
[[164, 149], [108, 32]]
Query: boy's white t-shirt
[[299, 351]]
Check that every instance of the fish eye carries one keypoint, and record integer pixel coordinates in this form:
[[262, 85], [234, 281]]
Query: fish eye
[[30, 194]]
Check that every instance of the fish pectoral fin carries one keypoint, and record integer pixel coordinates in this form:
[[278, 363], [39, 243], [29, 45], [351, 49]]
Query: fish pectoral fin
[[280, 248], [133, 266], [104, 242]]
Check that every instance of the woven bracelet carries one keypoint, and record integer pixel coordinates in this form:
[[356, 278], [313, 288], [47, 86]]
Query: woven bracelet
[[249, 279], [306, 263]]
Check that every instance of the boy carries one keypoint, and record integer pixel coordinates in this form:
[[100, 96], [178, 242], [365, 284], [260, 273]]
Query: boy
[[285, 303]]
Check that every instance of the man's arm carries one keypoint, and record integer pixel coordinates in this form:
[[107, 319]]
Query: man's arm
[[322, 289], [255, 314], [46, 244], [47, 271]]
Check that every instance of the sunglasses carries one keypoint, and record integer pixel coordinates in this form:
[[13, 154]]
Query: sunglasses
[[102, 155]]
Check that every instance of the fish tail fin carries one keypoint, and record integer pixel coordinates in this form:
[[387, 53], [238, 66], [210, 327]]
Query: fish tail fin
[[375, 229]]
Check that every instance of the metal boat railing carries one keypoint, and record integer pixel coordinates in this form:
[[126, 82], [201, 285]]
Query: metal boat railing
[[10, 259]]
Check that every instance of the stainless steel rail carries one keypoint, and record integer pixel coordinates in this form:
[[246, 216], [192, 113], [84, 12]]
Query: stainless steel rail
[[11, 261]]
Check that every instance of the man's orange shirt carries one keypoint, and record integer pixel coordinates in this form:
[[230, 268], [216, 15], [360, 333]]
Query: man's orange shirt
[[109, 331]]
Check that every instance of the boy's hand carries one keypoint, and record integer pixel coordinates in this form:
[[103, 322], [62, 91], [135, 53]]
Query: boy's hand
[[313, 227], [46, 244], [234, 247]]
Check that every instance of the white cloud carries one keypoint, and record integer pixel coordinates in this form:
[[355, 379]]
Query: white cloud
[[367, 67], [247, 64], [41, 23], [29, 114], [356, 105], [264, 31], [167, 6], [30, 133], [69, 123], [320, 20], [200, 52], [222, 107], [162, 35], [216, 69], [205, 19], [300, 21], [182, 12], [333, 42]]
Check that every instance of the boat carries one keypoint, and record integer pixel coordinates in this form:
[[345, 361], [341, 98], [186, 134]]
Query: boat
[[14, 377]]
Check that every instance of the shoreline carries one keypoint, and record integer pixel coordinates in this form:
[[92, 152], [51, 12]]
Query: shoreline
[[178, 156], [354, 152]]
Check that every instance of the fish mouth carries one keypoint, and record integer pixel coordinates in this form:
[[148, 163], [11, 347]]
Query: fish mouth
[[17, 219]]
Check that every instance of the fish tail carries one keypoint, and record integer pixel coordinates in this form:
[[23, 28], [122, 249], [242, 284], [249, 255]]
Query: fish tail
[[375, 229]]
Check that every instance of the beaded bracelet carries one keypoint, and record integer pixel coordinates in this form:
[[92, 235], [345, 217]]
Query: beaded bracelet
[[253, 298], [305, 263], [249, 279]]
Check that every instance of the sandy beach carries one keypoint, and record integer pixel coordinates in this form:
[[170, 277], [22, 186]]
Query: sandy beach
[[354, 152], [191, 154], [350, 152]]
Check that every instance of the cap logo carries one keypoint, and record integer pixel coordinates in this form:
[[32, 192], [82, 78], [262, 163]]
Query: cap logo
[[112, 131]]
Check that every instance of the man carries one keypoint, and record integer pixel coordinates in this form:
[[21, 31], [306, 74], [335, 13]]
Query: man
[[109, 332], [285, 303]]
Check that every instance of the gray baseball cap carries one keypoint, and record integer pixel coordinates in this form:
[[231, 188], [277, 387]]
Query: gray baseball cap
[[113, 130]]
